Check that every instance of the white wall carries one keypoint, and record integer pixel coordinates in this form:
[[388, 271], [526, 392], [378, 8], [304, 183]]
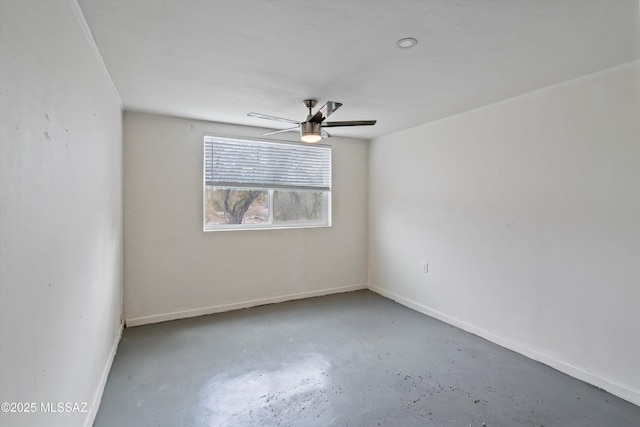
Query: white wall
[[173, 269], [60, 213], [528, 212]]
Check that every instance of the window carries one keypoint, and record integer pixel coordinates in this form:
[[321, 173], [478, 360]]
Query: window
[[252, 183]]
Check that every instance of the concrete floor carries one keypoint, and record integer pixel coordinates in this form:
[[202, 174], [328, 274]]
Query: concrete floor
[[353, 359]]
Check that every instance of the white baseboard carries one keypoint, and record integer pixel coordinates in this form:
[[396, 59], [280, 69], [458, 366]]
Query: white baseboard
[[614, 388], [97, 397], [156, 318]]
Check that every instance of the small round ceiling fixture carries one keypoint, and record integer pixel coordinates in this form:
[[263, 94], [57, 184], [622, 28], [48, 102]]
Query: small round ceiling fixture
[[406, 43]]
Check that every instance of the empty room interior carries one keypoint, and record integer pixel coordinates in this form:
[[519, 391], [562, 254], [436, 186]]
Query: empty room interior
[[334, 213]]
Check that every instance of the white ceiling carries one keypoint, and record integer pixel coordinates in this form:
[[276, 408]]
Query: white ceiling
[[221, 59]]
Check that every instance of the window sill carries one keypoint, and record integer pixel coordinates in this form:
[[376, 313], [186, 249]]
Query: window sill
[[262, 227]]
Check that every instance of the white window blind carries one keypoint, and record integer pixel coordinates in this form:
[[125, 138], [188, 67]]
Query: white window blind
[[231, 162]]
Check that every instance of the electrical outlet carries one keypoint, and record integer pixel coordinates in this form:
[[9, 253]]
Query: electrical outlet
[[425, 267]]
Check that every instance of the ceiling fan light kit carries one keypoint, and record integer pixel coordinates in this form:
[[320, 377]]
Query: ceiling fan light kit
[[311, 130]]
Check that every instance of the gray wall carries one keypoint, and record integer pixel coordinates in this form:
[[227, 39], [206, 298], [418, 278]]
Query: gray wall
[[173, 269], [528, 212], [61, 258]]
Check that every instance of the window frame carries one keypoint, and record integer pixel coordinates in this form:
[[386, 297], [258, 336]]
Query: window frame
[[327, 193]]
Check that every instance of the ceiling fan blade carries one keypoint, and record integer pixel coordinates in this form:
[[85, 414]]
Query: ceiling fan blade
[[327, 109], [265, 116], [349, 123], [296, 128], [325, 134]]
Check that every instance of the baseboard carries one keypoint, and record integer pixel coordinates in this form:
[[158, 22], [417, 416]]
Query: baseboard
[[183, 314], [614, 388], [97, 397]]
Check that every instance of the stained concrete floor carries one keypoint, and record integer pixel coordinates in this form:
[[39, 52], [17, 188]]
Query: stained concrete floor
[[353, 359]]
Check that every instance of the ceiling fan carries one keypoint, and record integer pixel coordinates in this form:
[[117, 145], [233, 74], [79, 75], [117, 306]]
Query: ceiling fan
[[312, 129]]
